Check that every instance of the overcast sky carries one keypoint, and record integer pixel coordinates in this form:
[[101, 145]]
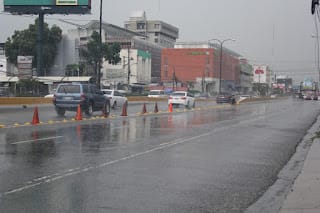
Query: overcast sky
[[274, 32]]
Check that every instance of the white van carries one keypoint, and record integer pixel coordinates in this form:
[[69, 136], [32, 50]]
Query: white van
[[156, 94]]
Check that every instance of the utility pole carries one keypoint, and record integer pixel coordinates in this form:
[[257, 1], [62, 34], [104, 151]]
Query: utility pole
[[40, 45], [129, 71], [221, 46]]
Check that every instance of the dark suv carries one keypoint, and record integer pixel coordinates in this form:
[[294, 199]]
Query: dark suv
[[69, 96]]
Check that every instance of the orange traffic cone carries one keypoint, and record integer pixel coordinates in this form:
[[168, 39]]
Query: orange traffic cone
[[144, 109], [156, 108], [170, 107], [35, 119], [124, 110], [79, 113]]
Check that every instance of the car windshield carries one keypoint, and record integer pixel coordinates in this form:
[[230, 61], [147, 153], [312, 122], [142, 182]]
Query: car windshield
[[107, 92], [69, 89]]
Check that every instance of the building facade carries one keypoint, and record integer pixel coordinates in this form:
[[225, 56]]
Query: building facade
[[136, 70], [155, 31], [246, 76], [262, 78], [77, 38], [197, 64]]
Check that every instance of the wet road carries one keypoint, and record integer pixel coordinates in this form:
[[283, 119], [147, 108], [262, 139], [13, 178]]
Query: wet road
[[219, 159]]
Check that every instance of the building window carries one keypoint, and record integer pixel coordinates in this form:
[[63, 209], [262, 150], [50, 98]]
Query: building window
[[156, 33], [157, 26], [156, 40], [140, 26]]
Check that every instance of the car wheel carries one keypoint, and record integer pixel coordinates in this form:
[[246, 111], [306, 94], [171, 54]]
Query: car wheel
[[60, 112], [89, 110]]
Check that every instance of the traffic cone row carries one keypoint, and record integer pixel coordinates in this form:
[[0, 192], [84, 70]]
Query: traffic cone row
[[35, 119]]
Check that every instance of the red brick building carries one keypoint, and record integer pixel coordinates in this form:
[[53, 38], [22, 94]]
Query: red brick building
[[200, 68]]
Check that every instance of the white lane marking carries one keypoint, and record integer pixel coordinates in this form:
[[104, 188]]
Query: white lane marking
[[40, 139], [75, 171]]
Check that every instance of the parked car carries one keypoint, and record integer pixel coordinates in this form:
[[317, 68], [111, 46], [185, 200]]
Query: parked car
[[116, 98], [225, 98], [69, 96], [183, 98], [156, 94]]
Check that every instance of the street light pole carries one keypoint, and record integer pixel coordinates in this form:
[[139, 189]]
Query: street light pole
[[100, 47], [220, 69]]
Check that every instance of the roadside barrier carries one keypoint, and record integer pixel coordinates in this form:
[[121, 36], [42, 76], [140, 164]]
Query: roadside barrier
[[35, 118]]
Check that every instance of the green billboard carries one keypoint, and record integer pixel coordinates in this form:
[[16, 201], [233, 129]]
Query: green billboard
[[47, 6]]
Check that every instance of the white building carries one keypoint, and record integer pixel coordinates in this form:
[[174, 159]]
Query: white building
[[137, 72], [3, 66]]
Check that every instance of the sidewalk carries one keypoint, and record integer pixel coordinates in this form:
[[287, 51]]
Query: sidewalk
[[304, 196]]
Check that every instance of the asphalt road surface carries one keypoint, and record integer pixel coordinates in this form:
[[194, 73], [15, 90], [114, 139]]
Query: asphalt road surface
[[211, 159]]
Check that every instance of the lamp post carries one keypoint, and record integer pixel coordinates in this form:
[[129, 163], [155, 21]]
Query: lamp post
[[100, 47], [221, 44], [317, 54]]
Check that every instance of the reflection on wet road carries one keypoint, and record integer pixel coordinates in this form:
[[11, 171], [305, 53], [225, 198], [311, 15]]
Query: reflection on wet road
[[214, 160]]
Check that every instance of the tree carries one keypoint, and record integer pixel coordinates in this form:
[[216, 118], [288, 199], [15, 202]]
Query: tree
[[93, 56], [24, 43], [73, 70]]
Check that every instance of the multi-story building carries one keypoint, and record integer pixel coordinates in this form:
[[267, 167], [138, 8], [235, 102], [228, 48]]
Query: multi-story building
[[198, 64], [129, 41], [246, 76], [262, 79], [137, 70], [155, 31]]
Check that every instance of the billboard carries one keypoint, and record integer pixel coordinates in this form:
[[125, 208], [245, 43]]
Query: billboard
[[24, 66], [47, 6], [260, 74]]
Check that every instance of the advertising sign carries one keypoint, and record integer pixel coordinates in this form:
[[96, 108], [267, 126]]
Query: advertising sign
[[260, 74], [24, 66], [47, 6], [66, 2]]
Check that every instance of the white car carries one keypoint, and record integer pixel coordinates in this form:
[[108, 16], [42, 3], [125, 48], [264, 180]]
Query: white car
[[116, 98], [183, 98], [156, 94]]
